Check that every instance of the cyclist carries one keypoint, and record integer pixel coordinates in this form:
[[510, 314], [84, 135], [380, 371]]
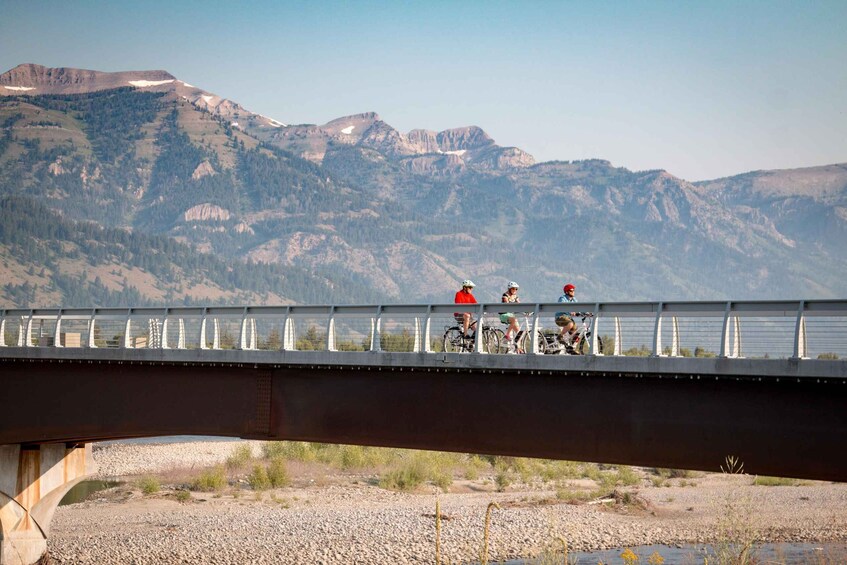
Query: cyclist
[[510, 297], [564, 319], [465, 296]]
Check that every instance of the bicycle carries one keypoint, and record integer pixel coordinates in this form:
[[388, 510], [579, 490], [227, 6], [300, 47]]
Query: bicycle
[[454, 340], [581, 344], [549, 344]]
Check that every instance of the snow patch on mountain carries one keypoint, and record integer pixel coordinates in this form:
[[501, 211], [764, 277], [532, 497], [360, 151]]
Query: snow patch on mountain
[[19, 88], [348, 130], [146, 83]]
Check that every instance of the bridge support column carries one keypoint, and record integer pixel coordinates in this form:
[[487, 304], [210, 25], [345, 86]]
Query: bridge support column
[[33, 480]]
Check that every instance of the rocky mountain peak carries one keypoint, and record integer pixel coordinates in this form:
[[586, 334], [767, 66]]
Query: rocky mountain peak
[[35, 79], [467, 138]]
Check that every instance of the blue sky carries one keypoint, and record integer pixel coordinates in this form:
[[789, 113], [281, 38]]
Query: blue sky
[[701, 89]]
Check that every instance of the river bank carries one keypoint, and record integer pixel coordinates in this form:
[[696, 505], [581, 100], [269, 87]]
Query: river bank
[[328, 517]]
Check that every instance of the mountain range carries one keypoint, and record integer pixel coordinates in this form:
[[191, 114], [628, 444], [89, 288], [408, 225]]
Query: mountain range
[[355, 210]]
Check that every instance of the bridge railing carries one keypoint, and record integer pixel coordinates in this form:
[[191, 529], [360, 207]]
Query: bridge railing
[[780, 329]]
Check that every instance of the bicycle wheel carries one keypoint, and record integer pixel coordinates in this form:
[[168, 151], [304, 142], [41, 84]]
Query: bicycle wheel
[[490, 341], [503, 346], [584, 345], [526, 342], [453, 340]]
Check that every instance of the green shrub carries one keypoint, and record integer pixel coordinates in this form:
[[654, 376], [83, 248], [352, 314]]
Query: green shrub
[[210, 480], [259, 479], [241, 454], [443, 480], [627, 476], [502, 479], [149, 485], [183, 495], [775, 482], [277, 473], [405, 478]]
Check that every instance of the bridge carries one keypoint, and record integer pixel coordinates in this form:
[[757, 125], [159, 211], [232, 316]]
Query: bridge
[[675, 384]]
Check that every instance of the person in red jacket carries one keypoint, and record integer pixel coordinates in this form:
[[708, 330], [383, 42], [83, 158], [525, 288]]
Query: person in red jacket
[[465, 296]]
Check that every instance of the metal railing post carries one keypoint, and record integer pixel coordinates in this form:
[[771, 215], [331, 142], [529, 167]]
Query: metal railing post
[[416, 348], [57, 333], [330, 330], [28, 337], [91, 324], [534, 331], [736, 339], [595, 324], [376, 330], [674, 337], [216, 337], [202, 336], [725, 331], [288, 331], [127, 330], [800, 351], [180, 342], [618, 338], [242, 337], [2, 328], [477, 346], [657, 332], [164, 339], [427, 345]]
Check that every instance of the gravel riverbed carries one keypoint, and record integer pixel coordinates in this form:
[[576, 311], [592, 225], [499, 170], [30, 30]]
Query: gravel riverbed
[[351, 520]]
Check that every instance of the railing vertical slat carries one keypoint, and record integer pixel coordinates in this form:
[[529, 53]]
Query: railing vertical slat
[[2, 328]]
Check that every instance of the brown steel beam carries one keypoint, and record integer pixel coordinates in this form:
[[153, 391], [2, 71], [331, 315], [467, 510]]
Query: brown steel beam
[[785, 427]]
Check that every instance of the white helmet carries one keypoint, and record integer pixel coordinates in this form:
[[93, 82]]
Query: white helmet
[[468, 283], [513, 284]]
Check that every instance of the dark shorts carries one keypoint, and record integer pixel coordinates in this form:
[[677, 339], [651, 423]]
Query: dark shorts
[[563, 321]]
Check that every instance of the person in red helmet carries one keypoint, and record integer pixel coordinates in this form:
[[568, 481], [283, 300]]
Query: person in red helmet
[[465, 296], [565, 319]]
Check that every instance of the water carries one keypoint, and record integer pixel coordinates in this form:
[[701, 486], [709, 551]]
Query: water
[[170, 439], [777, 553], [82, 490]]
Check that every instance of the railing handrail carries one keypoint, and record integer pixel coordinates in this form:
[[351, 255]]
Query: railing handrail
[[730, 312], [765, 308]]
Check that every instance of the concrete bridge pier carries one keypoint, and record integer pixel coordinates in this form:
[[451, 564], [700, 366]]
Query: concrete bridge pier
[[33, 480]]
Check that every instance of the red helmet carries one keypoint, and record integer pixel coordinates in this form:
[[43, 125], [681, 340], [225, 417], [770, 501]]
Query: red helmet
[[568, 287]]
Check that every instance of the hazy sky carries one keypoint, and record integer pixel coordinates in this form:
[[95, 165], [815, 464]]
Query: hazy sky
[[701, 89]]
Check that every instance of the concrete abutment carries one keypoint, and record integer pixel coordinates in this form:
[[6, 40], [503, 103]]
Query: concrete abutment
[[33, 480]]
